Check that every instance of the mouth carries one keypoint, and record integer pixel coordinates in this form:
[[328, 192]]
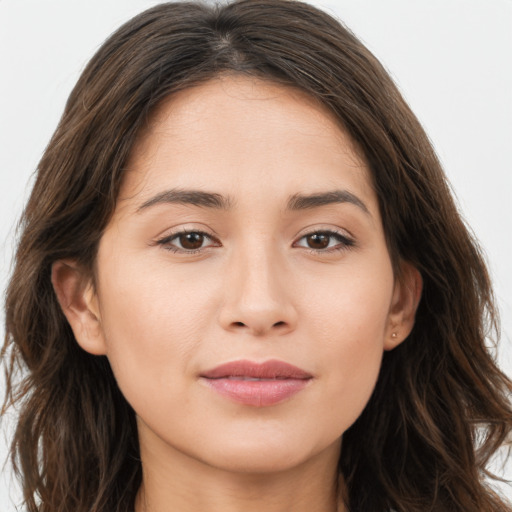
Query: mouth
[[256, 384]]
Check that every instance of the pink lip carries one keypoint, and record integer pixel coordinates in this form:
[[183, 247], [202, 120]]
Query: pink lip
[[279, 381]]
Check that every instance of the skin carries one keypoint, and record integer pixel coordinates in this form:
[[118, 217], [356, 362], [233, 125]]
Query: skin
[[255, 289]]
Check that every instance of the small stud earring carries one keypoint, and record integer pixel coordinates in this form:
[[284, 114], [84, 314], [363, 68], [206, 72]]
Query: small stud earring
[[394, 335]]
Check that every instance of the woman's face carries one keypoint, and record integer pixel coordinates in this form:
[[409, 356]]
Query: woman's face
[[247, 231]]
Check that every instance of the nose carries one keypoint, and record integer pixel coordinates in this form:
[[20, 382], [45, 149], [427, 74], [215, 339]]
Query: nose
[[258, 298]]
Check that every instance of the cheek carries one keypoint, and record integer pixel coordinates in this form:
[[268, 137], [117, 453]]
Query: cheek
[[159, 321], [349, 326], [153, 322], [349, 309]]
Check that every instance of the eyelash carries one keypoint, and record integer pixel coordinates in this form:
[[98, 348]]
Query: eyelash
[[346, 242]]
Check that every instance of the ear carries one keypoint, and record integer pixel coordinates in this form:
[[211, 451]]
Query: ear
[[79, 303], [406, 297]]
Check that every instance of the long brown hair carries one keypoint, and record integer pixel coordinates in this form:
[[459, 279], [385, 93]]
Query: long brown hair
[[441, 406]]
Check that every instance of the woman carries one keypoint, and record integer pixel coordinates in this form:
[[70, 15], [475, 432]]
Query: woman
[[242, 283]]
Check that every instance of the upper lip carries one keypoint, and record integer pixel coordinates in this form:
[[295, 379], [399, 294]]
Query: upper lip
[[272, 369]]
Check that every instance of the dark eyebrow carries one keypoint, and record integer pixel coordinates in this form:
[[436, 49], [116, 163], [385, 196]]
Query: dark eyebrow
[[192, 197], [220, 202], [304, 202]]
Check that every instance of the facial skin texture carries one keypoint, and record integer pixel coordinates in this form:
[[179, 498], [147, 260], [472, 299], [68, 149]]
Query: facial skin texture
[[254, 291]]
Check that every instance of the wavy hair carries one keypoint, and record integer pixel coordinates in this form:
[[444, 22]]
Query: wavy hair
[[441, 407]]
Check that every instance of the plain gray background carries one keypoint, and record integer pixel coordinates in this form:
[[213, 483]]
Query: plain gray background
[[451, 59]]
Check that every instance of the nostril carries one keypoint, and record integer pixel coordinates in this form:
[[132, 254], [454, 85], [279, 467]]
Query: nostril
[[278, 324]]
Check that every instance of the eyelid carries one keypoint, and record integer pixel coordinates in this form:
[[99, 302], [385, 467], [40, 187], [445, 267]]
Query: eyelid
[[166, 240], [345, 241]]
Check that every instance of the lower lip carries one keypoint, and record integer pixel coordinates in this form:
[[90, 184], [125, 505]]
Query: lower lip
[[258, 393]]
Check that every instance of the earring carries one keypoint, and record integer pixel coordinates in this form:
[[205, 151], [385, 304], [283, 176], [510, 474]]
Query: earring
[[394, 335]]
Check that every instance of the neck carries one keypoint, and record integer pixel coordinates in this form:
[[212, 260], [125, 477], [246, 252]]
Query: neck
[[172, 481]]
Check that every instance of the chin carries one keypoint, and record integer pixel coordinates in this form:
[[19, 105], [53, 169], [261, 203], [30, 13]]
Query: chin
[[266, 455]]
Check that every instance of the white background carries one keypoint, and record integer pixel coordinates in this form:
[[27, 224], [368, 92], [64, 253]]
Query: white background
[[452, 59]]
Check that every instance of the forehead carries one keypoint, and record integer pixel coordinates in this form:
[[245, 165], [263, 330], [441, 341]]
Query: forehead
[[239, 132]]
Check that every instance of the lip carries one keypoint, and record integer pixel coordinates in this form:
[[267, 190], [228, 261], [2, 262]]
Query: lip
[[257, 384]]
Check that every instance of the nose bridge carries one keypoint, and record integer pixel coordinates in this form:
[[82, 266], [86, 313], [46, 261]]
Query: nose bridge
[[259, 285], [256, 296]]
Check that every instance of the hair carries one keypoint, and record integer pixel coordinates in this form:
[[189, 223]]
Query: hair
[[440, 408]]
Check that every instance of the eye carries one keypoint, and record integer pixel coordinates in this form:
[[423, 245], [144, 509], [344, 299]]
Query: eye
[[187, 241], [325, 241], [191, 242]]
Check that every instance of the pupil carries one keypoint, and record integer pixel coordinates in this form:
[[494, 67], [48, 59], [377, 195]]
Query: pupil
[[318, 241], [191, 240]]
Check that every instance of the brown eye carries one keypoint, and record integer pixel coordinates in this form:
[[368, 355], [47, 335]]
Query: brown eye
[[318, 240], [188, 242], [325, 242], [191, 241]]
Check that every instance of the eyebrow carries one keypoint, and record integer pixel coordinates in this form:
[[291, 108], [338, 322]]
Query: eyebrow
[[219, 202], [190, 197], [305, 202]]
